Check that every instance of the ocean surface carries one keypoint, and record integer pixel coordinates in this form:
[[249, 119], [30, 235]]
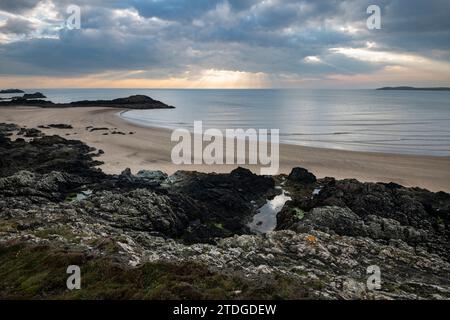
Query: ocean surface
[[407, 122]]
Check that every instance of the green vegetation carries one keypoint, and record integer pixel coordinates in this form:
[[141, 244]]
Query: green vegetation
[[218, 226], [7, 225], [62, 231], [70, 197], [299, 213], [40, 273]]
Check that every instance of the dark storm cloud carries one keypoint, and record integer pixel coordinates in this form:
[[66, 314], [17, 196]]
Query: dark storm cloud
[[17, 5], [247, 35], [179, 10], [416, 25]]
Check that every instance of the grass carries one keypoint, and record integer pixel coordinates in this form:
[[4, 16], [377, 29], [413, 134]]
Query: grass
[[39, 272], [62, 231], [7, 225]]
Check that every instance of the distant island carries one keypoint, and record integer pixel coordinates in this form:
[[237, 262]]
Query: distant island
[[131, 102], [416, 89], [11, 91], [27, 96]]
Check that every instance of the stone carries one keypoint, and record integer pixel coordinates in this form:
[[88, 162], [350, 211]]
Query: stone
[[301, 175]]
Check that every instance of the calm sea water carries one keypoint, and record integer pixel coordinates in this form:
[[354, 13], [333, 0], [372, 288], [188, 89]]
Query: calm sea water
[[409, 122]]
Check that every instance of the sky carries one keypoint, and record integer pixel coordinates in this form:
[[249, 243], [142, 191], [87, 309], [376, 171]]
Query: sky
[[223, 44]]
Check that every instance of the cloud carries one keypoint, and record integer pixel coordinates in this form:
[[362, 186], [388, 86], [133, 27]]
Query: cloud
[[17, 26], [17, 5], [312, 59], [283, 41]]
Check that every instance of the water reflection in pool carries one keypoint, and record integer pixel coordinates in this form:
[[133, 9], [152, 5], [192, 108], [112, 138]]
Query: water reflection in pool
[[265, 219]]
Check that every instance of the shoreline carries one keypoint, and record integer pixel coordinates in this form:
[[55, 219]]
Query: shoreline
[[150, 147]]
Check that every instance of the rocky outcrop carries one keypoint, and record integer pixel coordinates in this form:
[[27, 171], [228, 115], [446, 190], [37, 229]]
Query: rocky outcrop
[[45, 154], [8, 91], [376, 210], [301, 175], [28, 96], [343, 221], [131, 102], [51, 195], [29, 132], [60, 126]]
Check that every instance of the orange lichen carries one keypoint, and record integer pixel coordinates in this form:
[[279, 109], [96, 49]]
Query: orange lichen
[[311, 239]]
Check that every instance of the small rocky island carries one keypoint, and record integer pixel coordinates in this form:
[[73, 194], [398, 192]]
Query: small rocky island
[[131, 102], [27, 96], [147, 235], [8, 91]]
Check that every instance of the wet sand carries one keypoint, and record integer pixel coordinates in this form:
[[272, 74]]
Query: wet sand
[[150, 148]]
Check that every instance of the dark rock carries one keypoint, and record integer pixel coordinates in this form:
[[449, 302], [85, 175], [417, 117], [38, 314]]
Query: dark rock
[[28, 96], [385, 211], [30, 132], [5, 91], [51, 194], [301, 175], [152, 175], [40, 187], [226, 198], [7, 128], [36, 95], [60, 126], [46, 154], [132, 102]]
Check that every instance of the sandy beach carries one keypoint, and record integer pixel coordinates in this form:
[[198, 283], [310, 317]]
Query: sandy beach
[[150, 148]]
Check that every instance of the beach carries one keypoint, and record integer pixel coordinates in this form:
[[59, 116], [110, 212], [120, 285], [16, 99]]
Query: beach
[[148, 148]]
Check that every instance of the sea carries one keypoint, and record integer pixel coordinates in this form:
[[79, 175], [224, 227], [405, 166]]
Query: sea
[[402, 122]]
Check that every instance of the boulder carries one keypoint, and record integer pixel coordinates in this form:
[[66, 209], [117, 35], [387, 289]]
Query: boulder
[[301, 175]]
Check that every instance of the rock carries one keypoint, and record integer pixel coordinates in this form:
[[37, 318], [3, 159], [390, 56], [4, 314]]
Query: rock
[[343, 221], [28, 96], [98, 129], [139, 209], [43, 188], [60, 126], [387, 211], [30, 132], [36, 95], [134, 102], [152, 175], [46, 154], [301, 175], [131, 102], [337, 220], [8, 127], [51, 195], [5, 91]]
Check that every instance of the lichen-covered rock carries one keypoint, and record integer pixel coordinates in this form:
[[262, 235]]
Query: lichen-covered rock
[[327, 238], [384, 211]]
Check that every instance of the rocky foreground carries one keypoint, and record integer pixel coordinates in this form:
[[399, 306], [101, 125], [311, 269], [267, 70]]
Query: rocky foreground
[[152, 236]]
